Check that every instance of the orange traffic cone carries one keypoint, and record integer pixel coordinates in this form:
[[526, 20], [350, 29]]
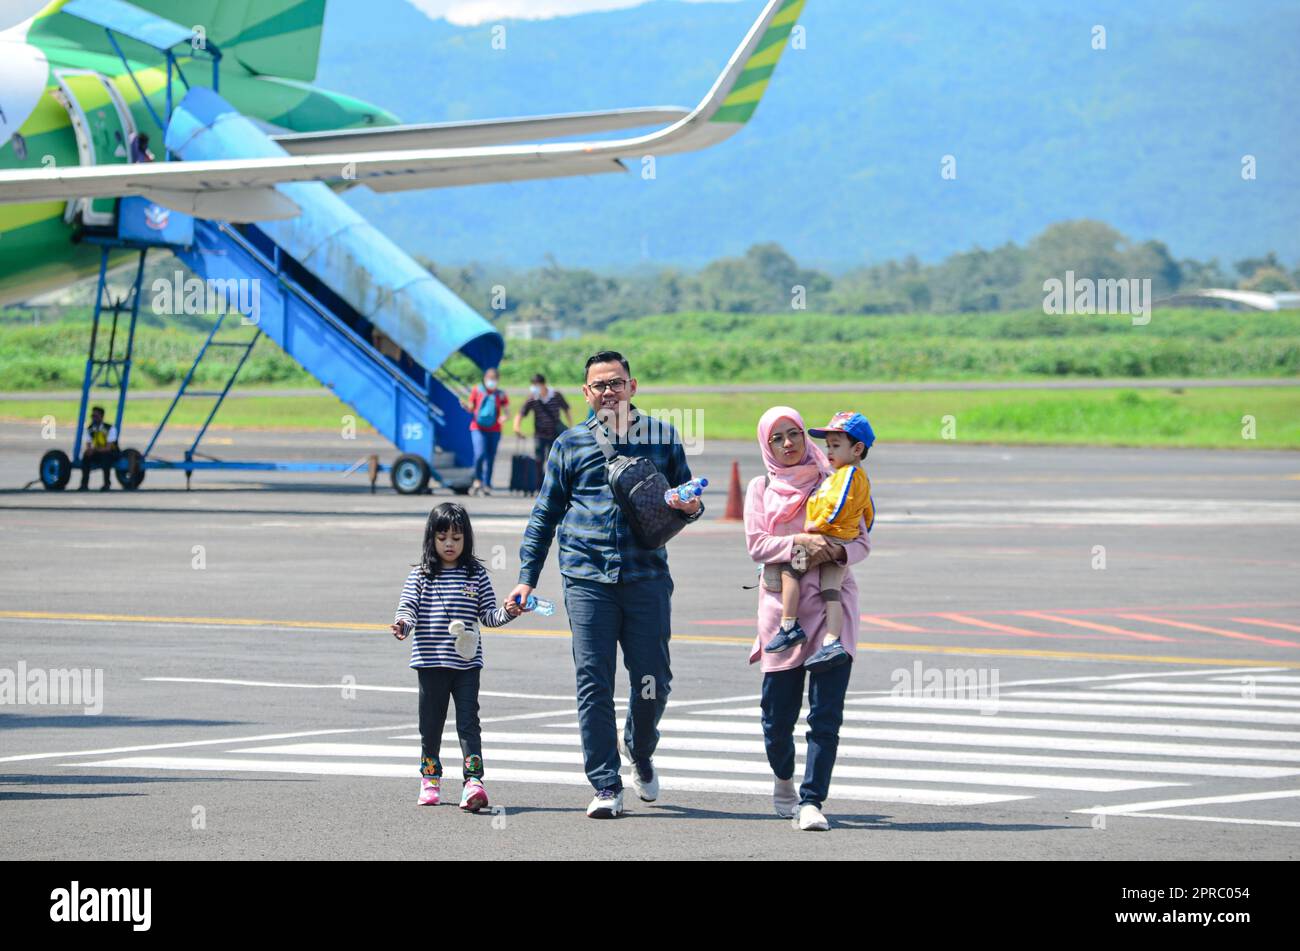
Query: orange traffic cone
[[735, 500]]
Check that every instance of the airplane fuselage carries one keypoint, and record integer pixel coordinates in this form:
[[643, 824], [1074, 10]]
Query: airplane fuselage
[[65, 105]]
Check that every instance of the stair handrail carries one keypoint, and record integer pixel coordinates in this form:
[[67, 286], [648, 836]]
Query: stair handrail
[[323, 312]]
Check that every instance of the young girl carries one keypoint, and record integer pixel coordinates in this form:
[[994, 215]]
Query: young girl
[[444, 599]]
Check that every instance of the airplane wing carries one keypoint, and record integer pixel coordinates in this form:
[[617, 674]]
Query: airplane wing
[[446, 135], [242, 183]]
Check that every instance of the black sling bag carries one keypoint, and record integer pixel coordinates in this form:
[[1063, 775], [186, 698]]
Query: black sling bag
[[639, 488]]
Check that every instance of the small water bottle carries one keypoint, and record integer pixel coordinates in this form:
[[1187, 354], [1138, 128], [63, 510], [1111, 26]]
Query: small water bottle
[[540, 605], [686, 491]]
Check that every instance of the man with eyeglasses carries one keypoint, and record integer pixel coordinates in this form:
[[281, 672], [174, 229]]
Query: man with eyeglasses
[[616, 593]]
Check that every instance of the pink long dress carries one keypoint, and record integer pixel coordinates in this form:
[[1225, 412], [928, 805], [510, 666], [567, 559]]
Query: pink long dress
[[775, 546]]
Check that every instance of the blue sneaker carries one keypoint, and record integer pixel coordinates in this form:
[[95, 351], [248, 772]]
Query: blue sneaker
[[828, 657], [785, 639]]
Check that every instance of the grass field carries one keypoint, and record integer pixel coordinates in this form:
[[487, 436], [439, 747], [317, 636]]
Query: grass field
[[753, 348], [1202, 417], [776, 349], [824, 348], [1205, 418]]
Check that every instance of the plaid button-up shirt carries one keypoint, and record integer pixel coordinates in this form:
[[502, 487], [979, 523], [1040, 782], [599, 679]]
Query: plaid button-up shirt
[[596, 542]]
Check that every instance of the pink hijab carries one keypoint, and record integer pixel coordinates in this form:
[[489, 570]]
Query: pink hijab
[[788, 487]]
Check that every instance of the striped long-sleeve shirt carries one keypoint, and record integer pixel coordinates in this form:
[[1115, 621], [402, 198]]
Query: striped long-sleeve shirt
[[428, 605], [596, 542]]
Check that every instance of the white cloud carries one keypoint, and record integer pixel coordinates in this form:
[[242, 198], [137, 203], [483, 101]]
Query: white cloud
[[13, 12], [473, 12]]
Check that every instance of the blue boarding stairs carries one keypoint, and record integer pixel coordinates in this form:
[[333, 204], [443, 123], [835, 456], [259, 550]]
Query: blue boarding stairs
[[326, 287]]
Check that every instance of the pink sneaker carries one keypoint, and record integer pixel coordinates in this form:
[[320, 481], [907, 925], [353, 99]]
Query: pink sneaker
[[430, 791], [474, 797]]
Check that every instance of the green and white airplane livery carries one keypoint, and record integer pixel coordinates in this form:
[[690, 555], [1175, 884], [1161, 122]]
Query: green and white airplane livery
[[76, 89]]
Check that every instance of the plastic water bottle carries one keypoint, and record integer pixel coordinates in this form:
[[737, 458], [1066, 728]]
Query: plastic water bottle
[[686, 491], [540, 605]]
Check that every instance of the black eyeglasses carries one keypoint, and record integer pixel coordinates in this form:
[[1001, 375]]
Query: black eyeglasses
[[614, 386]]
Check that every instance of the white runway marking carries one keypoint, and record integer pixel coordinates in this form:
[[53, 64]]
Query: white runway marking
[[1028, 741], [340, 685], [1109, 677], [759, 767], [977, 513], [1267, 679], [404, 771], [337, 686], [1238, 689], [846, 751], [948, 754], [1158, 697], [483, 525], [1000, 722], [1083, 708], [1204, 801], [1245, 822], [24, 757]]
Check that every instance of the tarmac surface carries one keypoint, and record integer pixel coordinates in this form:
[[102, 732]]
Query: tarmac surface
[[1117, 631]]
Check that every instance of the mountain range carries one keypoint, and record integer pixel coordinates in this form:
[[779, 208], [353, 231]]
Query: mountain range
[[843, 164]]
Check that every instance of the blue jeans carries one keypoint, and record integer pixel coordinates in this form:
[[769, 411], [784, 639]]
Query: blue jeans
[[635, 615], [782, 697], [485, 454]]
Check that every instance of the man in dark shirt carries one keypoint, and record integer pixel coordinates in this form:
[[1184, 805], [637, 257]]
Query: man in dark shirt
[[615, 592], [546, 405]]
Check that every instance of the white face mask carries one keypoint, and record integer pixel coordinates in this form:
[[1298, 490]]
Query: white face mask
[[535, 390], [490, 384]]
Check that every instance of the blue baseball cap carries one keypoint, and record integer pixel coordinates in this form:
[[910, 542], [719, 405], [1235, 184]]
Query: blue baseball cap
[[853, 425]]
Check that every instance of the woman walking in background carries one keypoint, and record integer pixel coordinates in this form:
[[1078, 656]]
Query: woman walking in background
[[486, 405]]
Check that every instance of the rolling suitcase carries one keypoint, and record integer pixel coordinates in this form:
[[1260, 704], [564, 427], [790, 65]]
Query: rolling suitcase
[[523, 474]]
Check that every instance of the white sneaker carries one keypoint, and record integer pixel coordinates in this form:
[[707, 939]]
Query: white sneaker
[[606, 804], [810, 819], [785, 797], [647, 790]]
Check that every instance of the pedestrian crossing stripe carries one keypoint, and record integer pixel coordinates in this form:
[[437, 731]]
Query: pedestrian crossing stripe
[[1239, 689], [898, 750], [1244, 703], [673, 764], [1262, 678], [1000, 740], [1081, 707], [755, 748], [1000, 722]]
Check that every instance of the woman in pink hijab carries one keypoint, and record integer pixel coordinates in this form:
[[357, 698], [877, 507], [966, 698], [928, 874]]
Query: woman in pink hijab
[[774, 520]]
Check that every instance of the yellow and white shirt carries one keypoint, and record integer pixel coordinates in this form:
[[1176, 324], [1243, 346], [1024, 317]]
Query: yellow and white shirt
[[99, 436], [839, 503]]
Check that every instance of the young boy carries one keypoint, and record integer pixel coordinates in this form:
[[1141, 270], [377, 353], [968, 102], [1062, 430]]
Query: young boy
[[834, 510]]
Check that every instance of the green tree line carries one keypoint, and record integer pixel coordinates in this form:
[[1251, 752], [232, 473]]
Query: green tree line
[[767, 279]]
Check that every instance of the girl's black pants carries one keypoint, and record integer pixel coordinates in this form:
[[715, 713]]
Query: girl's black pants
[[438, 685]]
